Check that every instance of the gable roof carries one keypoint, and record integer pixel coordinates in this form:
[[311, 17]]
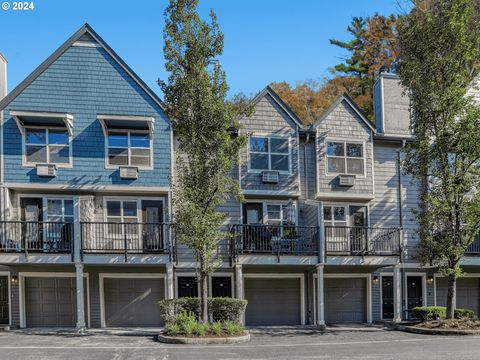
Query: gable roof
[[85, 33], [353, 105], [269, 91]]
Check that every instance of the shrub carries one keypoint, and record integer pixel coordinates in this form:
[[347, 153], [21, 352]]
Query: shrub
[[427, 313], [201, 329], [216, 328], [219, 309], [187, 322], [172, 329], [232, 327], [463, 313]]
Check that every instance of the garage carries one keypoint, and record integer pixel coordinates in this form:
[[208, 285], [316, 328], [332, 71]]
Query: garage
[[132, 301], [467, 293], [273, 301], [50, 302], [345, 300]]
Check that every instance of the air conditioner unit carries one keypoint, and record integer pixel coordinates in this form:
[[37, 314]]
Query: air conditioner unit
[[128, 172], [46, 170], [270, 177], [346, 180]]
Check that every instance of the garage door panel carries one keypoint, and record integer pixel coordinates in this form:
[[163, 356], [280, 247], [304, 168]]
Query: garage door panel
[[345, 300], [272, 301], [133, 301], [468, 293]]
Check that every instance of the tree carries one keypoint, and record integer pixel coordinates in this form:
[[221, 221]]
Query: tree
[[204, 125], [373, 49], [439, 61]]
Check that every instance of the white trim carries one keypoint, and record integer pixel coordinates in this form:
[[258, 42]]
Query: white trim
[[270, 193], [138, 200], [89, 44], [229, 274], [342, 195], [150, 120], [300, 276], [368, 279], [47, 129], [96, 188], [269, 153], [21, 290], [346, 205], [423, 275], [9, 294], [345, 142], [186, 274], [103, 276], [266, 202], [66, 117]]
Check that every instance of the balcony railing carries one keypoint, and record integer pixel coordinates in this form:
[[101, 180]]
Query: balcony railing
[[113, 237], [36, 236], [275, 239], [347, 240]]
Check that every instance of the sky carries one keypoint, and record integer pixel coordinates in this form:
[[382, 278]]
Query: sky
[[265, 40]]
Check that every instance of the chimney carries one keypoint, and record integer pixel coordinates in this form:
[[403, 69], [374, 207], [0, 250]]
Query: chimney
[[3, 76], [391, 106]]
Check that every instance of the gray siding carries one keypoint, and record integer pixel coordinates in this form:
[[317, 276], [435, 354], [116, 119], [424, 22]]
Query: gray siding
[[269, 119], [343, 123]]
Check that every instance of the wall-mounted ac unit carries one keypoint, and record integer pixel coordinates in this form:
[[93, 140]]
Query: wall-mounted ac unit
[[270, 177], [346, 180], [46, 170], [129, 172]]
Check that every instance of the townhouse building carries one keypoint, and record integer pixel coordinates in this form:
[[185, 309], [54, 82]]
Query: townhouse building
[[326, 233]]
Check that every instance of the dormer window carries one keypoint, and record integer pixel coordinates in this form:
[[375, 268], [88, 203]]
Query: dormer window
[[269, 153], [344, 157]]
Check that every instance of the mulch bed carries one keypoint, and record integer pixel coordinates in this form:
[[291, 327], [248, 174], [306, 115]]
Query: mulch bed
[[451, 324], [208, 335]]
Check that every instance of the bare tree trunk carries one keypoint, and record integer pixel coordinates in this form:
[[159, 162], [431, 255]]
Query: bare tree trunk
[[204, 296], [451, 297]]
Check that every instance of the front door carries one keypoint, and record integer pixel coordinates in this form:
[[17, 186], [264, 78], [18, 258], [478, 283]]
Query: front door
[[414, 292], [187, 286], [358, 223], [31, 213], [252, 235], [4, 318], [387, 297], [221, 286], [153, 232]]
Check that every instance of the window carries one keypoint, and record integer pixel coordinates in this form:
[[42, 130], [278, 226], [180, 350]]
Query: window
[[334, 215], [129, 148], [59, 210], [269, 153], [122, 211], [47, 145], [345, 158], [278, 214]]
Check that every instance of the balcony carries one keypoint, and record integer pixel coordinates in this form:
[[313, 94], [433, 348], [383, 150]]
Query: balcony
[[124, 238], [275, 239], [362, 241], [36, 237]]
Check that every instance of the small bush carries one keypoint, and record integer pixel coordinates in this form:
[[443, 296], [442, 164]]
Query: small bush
[[428, 313], [172, 329], [201, 329], [186, 322], [219, 309], [464, 313], [231, 327], [216, 328]]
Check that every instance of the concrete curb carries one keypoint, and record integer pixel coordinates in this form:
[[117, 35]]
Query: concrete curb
[[417, 330], [202, 341]]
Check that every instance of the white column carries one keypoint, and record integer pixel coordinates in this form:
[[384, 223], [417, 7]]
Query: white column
[[238, 281], [320, 298], [397, 294], [170, 292], [80, 297], [77, 240]]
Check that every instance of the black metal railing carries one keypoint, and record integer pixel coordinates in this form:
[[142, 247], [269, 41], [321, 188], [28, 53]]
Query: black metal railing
[[126, 237], [36, 236], [474, 248], [360, 240], [275, 239]]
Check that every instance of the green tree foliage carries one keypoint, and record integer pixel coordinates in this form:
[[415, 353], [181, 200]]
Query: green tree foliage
[[439, 62], [204, 125]]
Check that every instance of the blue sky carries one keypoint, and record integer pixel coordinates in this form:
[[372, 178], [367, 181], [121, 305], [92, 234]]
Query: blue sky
[[265, 40]]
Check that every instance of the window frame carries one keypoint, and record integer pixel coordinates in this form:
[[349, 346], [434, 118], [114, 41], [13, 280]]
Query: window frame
[[282, 204], [128, 131], [345, 157], [347, 212], [268, 137], [26, 163]]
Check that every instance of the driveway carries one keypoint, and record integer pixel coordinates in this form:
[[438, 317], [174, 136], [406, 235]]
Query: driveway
[[278, 344]]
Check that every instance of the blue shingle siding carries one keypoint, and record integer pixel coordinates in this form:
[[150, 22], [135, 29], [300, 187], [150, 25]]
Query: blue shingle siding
[[87, 81]]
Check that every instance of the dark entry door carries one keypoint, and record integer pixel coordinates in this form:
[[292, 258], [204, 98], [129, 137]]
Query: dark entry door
[[252, 213], [414, 292], [221, 286], [153, 232], [255, 236], [187, 286], [4, 318], [358, 222], [32, 213], [387, 297]]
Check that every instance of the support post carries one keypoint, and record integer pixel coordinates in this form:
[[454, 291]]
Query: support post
[[80, 297], [170, 292], [397, 294], [320, 298], [239, 285]]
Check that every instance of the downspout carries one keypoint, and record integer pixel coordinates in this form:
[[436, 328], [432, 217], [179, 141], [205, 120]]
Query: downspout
[[400, 213], [307, 139]]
